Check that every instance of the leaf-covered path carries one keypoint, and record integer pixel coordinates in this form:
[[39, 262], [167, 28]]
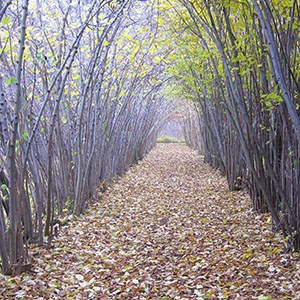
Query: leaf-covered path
[[169, 229]]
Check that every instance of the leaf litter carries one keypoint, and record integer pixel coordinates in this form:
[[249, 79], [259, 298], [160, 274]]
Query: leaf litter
[[168, 229]]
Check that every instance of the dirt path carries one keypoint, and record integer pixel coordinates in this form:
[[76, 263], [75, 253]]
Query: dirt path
[[169, 229]]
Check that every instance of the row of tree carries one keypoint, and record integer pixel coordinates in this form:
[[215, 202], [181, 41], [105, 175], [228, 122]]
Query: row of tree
[[239, 62], [82, 97], [79, 104]]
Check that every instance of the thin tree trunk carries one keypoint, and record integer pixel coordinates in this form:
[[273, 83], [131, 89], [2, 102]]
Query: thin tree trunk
[[14, 216], [3, 243]]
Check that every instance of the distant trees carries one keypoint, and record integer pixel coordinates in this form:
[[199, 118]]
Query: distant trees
[[79, 104], [242, 70]]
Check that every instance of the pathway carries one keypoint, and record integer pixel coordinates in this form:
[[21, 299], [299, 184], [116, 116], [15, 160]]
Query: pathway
[[169, 229]]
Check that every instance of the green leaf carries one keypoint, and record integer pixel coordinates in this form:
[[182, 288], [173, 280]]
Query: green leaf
[[41, 57], [77, 77], [105, 43], [4, 187], [11, 80], [25, 135], [5, 20]]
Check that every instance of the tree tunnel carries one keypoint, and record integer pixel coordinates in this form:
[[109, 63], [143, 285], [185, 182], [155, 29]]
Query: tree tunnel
[[88, 86]]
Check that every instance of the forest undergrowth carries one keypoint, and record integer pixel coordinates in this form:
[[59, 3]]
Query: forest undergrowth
[[168, 229]]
